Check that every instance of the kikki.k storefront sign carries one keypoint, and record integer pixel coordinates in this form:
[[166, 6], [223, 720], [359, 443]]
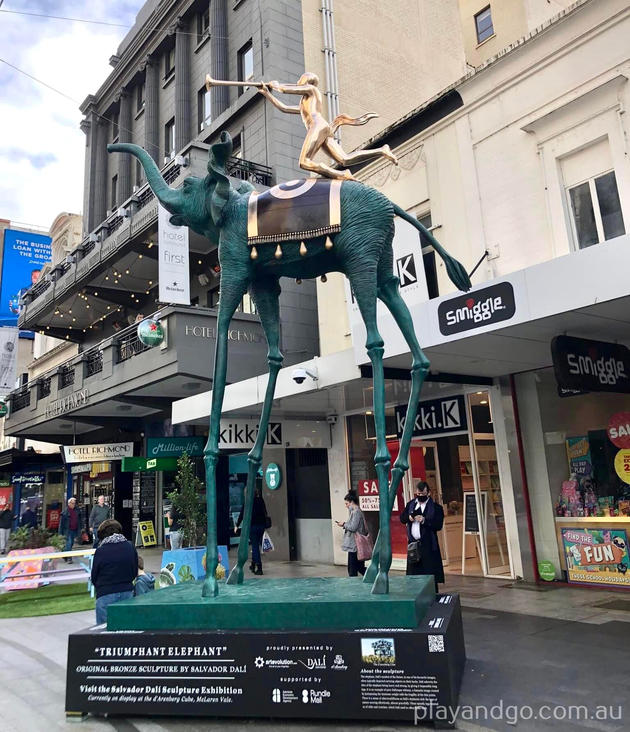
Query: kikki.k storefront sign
[[97, 453], [437, 417]]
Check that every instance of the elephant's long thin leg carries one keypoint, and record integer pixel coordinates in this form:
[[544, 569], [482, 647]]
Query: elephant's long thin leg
[[365, 293], [266, 298], [230, 298], [389, 293]]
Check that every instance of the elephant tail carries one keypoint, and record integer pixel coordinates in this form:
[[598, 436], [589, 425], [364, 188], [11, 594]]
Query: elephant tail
[[456, 272]]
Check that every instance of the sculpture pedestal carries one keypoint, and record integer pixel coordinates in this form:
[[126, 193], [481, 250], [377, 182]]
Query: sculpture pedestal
[[366, 672], [271, 604]]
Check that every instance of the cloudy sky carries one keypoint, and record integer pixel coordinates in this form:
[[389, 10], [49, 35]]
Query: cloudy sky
[[41, 147]]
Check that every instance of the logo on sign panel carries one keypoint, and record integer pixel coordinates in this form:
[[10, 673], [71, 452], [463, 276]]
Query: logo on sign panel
[[477, 309], [406, 270], [435, 417]]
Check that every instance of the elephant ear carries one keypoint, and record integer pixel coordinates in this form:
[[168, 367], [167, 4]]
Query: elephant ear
[[219, 153]]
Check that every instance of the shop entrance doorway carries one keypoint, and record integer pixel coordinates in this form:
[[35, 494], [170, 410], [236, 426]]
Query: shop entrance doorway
[[463, 473]]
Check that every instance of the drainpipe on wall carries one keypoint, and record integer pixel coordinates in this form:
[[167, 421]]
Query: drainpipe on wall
[[330, 56]]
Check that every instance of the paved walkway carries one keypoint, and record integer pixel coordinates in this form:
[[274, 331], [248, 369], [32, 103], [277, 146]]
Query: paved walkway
[[525, 646]]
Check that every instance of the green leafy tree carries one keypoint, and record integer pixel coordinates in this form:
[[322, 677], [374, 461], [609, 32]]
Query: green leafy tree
[[185, 501]]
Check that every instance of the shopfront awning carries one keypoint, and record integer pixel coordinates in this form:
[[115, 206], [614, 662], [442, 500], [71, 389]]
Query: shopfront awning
[[503, 326]]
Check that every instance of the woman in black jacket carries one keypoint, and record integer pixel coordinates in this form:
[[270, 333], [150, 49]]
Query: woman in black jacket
[[260, 522], [114, 569]]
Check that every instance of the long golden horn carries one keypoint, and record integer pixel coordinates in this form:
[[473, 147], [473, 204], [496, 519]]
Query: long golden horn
[[210, 82]]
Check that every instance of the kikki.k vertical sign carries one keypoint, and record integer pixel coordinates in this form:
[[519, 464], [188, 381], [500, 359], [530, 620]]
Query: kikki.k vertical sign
[[173, 271]]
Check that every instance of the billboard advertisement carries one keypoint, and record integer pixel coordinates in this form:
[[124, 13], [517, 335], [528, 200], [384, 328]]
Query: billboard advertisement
[[24, 256]]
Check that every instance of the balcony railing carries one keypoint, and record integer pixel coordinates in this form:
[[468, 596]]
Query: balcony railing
[[21, 399], [66, 376], [94, 362], [246, 170], [236, 167], [43, 389], [128, 346]]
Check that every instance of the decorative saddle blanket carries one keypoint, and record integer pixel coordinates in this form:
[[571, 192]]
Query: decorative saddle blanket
[[298, 209]]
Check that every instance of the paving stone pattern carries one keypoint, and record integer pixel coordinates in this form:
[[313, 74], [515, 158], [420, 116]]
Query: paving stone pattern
[[524, 648]]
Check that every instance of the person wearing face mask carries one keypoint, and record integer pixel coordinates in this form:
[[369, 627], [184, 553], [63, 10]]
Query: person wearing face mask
[[423, 519]]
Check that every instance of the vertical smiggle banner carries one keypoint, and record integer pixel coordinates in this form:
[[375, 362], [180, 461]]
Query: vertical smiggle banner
[[173, 271], [23, 258]]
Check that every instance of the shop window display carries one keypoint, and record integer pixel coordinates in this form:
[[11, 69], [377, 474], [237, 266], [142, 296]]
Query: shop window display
[[587, 450]]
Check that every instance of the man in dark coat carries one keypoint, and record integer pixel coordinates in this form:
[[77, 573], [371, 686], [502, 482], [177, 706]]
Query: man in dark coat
[[29, 518], [423, 519]]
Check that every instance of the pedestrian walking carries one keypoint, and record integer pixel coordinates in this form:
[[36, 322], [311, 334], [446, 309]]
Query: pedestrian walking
[[355, 523], [6, 522], [114, 568], [29, 518], [98, 514], [260, 522], [145, 582], [69, 525], [423, 519], [174, 519]]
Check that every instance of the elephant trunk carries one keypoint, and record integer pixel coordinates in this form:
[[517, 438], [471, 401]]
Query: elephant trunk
[[170, 198]]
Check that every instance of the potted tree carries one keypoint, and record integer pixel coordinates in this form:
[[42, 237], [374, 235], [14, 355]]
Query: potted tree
[[189, 563]]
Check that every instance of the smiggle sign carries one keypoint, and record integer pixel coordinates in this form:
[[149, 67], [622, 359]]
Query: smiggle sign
[[596, 556]]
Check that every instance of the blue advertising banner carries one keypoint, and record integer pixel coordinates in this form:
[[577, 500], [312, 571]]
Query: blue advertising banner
[[24, 256]]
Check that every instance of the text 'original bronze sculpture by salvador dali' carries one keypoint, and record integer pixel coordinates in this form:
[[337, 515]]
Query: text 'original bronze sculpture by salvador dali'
[[349, 228]]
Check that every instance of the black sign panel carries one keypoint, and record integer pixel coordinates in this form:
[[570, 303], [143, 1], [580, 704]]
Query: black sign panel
[[586, 365], [436, 417], [353, 674], [476, 309]]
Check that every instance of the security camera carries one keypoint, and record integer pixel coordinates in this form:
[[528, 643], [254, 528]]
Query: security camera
[[299, 375], [332, 419]]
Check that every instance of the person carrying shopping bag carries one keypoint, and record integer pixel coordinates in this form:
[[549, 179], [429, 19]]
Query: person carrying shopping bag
[[354, 526]]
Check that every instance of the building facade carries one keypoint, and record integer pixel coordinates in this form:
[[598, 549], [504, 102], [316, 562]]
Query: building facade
[[520, 169]]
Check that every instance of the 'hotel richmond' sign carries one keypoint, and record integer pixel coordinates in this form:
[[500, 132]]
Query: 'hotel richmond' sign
[[234, 334], [67, 404]]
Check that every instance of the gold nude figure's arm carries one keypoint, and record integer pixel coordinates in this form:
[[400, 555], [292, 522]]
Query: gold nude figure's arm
[[277, 103]]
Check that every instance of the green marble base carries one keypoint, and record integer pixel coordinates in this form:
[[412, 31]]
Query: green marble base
[[332, 603]]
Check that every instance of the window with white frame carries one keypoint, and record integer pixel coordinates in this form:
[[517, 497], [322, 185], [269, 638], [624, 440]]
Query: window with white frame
[[245, 65], [483, 25], [169, 139], [204, 114], [203, 24], [593, 200]]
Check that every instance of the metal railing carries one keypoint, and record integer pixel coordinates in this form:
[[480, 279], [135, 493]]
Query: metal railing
[[128, 346], [172, 173], [94, 362], [21, 399], [43, 388], [246, 170], [66, 376]]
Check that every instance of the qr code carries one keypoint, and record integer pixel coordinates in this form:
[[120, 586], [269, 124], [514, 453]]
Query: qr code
[[436, 644]]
